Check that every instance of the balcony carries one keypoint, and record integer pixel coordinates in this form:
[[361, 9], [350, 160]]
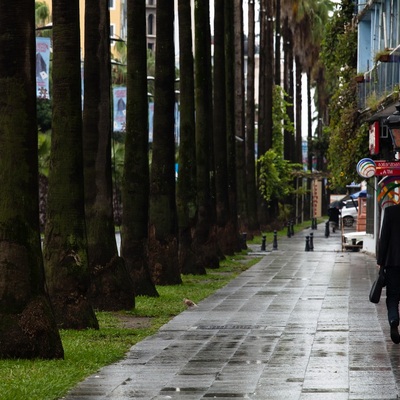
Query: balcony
[[380, 83]]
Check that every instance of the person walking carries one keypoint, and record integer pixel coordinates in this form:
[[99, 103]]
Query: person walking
[[389, 259], [333, 214]]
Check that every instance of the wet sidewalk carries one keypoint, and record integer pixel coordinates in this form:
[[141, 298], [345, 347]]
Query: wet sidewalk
[[297, 325]]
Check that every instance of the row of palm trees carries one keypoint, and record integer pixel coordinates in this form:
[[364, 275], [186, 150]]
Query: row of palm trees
[[169, 227]]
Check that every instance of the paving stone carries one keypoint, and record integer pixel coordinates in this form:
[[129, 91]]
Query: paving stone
[[297, 325]]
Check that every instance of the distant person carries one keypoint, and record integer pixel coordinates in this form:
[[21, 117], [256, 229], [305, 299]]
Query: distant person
[[333, 214], [389, 259]]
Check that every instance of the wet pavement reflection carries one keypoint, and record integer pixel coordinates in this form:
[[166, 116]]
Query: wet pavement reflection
[[297, 325]]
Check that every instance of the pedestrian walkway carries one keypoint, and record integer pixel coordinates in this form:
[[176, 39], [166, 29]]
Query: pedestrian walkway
[[297, 325]]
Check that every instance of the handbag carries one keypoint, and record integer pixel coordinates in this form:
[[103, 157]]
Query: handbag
[[376, 289]]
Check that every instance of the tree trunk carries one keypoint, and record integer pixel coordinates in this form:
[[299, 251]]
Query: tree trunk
[[65, 246], [135, 188], [289, 89], [240, 137], [205, 241], [253, 227], [163, 233], [27, 324], [186, 185], [226, 233], [111, 287], [298, 145]]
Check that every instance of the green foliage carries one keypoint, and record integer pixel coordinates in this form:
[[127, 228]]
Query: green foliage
[[44, 114], [44, 145], [276, 179], [281, 118], [348, 141]]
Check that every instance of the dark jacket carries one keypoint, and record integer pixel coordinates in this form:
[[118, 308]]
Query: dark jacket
[[389, 240]]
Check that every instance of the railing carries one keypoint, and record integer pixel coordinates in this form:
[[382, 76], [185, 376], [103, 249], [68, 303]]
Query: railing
[[380, 82]]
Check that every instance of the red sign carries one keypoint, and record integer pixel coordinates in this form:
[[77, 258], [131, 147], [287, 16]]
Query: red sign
[[387, 168]]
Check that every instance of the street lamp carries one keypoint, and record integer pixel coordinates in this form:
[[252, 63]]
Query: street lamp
[[393, 124]]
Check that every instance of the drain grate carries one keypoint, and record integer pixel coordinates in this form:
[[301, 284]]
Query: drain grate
[[220, 327]]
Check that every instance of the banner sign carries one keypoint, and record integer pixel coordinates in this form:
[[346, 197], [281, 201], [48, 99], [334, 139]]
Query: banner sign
[[42, 67], [119, 99]]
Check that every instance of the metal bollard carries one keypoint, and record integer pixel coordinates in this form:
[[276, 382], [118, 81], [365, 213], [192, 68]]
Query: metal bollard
[[289, 231], [263, 243], [244, 240], [291, 228], [275, 242], [315, 224], [327, 229], [307, 243], [311, 241]]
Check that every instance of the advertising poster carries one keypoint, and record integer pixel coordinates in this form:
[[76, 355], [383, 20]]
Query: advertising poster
[[119, 99], [42, 67]]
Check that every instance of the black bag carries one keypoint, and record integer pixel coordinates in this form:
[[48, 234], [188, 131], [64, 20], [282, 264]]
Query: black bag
[[376, 289]]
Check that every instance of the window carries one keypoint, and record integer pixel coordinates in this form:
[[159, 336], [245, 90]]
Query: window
[[112, 33], [150, 23], [111, 4]]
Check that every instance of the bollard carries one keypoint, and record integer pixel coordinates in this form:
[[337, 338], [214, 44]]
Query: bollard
[[315, 224], [244, 240], [263, 243], [275, 242], [327, 229], [307, 243], [291, 228], [289, 231], [311, 241]]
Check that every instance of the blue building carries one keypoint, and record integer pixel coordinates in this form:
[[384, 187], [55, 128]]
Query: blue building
[[378, 67]]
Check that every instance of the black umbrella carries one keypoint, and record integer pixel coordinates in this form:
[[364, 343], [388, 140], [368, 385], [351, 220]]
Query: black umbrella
[[337, 203]]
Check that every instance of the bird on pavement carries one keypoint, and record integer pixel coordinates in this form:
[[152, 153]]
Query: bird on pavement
[[189, 303]]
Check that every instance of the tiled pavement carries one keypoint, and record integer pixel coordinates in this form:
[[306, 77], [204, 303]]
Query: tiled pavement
[[297, 325]]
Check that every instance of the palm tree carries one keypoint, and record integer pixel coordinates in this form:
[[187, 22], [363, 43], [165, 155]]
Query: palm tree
[[205, 242], [111, 287], [27, 328], [65, 244], [240, 137], [226, 234], [186, 185], [135, 188], [250, 130], [163, 221]]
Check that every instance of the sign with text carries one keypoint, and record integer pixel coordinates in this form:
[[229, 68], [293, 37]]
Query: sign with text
[[389, 168]]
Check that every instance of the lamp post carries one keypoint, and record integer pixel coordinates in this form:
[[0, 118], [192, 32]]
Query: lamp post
[[393, 124]]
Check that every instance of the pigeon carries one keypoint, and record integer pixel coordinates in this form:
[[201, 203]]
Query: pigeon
[[190, 303]]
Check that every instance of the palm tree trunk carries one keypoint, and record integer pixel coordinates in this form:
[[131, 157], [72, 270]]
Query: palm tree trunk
[[111, 287], [65, 245], [27, 324], [205, 242], [135, 188], [163, 233], [186, 185], [240, 137], [253, 227]]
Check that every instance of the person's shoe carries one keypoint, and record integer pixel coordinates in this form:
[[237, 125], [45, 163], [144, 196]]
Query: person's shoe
[[394, 332]]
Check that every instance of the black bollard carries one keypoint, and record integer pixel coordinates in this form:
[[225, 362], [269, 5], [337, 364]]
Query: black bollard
[[289, 231], [275, 242], [263, 243], [327, 229], [244, 240], [311, 241], [307, 243], [315, 224], [291, 228]]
